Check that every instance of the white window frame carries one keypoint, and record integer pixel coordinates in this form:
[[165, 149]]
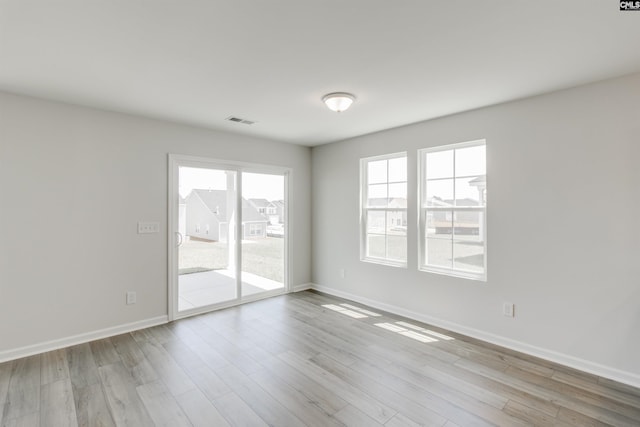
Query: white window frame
[[425, 210], [364, 187]]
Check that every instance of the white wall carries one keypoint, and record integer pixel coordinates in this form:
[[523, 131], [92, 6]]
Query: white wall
[[563, 227], [74, 182]]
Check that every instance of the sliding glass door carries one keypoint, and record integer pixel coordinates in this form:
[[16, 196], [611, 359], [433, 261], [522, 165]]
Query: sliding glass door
[[228, 226], [264, 230]]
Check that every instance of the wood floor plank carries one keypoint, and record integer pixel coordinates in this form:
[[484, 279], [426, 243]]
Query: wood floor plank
[[532, 384], [203, 349], [125, 405], [285, 334], [380, 392], [57, 404], [325, 398], [458, 383], [296, 402], [353, 417], [83, 370], [399, 420], [227, 349], [167, 369], [23, 395], [375, 409], [162, 334], [200, 410], [420, 396], [54, 366], [162, 406], [597, 388], [29, 420], [5, 376], [501, 388], [529, 414], [588, 403], [578, 419], [263, 404], [615, 385], [314, 340], [236, 412], [104, 353], [134, 359], [90, 402], [411, 350], [468, 402], [91, 405]]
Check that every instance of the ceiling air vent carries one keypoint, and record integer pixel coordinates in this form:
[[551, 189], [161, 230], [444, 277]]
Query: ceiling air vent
[[239, 120]]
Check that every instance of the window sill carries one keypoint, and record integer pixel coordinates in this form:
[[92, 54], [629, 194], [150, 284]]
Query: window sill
[[385, 262], [454, 273]]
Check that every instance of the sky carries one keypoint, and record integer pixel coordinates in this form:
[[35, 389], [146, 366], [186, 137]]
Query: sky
[[254, 185]]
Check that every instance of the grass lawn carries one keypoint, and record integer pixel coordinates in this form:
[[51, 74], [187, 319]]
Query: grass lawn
[[263, 257], [466, 253]]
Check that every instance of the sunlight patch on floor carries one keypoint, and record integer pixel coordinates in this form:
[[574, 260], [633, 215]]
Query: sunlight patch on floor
[[401, 328], [428, 331], [345, 311]]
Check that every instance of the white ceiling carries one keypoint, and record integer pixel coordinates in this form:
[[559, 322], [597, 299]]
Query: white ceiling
[[200, 61]]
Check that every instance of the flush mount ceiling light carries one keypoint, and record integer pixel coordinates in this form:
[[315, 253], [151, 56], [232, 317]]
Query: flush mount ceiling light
[[338, 101]]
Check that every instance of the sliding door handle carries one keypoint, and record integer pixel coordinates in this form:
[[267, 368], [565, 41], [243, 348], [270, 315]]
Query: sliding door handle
[[179, 238]]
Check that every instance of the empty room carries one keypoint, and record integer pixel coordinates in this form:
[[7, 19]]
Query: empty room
[[330, 213]]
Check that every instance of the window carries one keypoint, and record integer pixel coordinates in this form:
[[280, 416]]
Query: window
[[453, 200], [384, 209], [255, 229]]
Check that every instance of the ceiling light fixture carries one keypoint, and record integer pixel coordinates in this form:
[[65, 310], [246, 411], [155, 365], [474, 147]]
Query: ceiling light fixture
[[338, 101]]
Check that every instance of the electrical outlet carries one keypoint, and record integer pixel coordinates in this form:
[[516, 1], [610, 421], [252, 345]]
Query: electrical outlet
[[343, 273], [131, 298], [148, 227], [508, 309]]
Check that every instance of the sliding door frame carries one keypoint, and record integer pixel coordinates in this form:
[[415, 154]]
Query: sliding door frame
[[175, 161]]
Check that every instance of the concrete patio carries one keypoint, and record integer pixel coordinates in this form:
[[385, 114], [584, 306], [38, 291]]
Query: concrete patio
[[216, 286]]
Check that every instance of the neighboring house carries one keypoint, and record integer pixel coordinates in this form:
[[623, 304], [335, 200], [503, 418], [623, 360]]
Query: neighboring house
[[444, 222], [207, 216], [394, 219], [268, 209], [462, 222], [280, 210]]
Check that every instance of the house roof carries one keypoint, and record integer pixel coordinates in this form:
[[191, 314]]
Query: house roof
[[216, 202], [392, 202], [436, 201], [260, 203], [479, 181]]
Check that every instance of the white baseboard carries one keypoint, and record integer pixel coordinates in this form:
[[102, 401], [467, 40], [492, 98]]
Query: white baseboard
[[301, 287], [629, 378], [30, 350]]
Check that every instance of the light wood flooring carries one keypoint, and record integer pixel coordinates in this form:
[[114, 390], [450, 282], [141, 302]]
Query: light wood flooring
[[303, 359]]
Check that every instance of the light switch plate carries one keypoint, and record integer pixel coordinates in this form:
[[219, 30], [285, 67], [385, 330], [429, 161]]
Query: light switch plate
[[148, 227]]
